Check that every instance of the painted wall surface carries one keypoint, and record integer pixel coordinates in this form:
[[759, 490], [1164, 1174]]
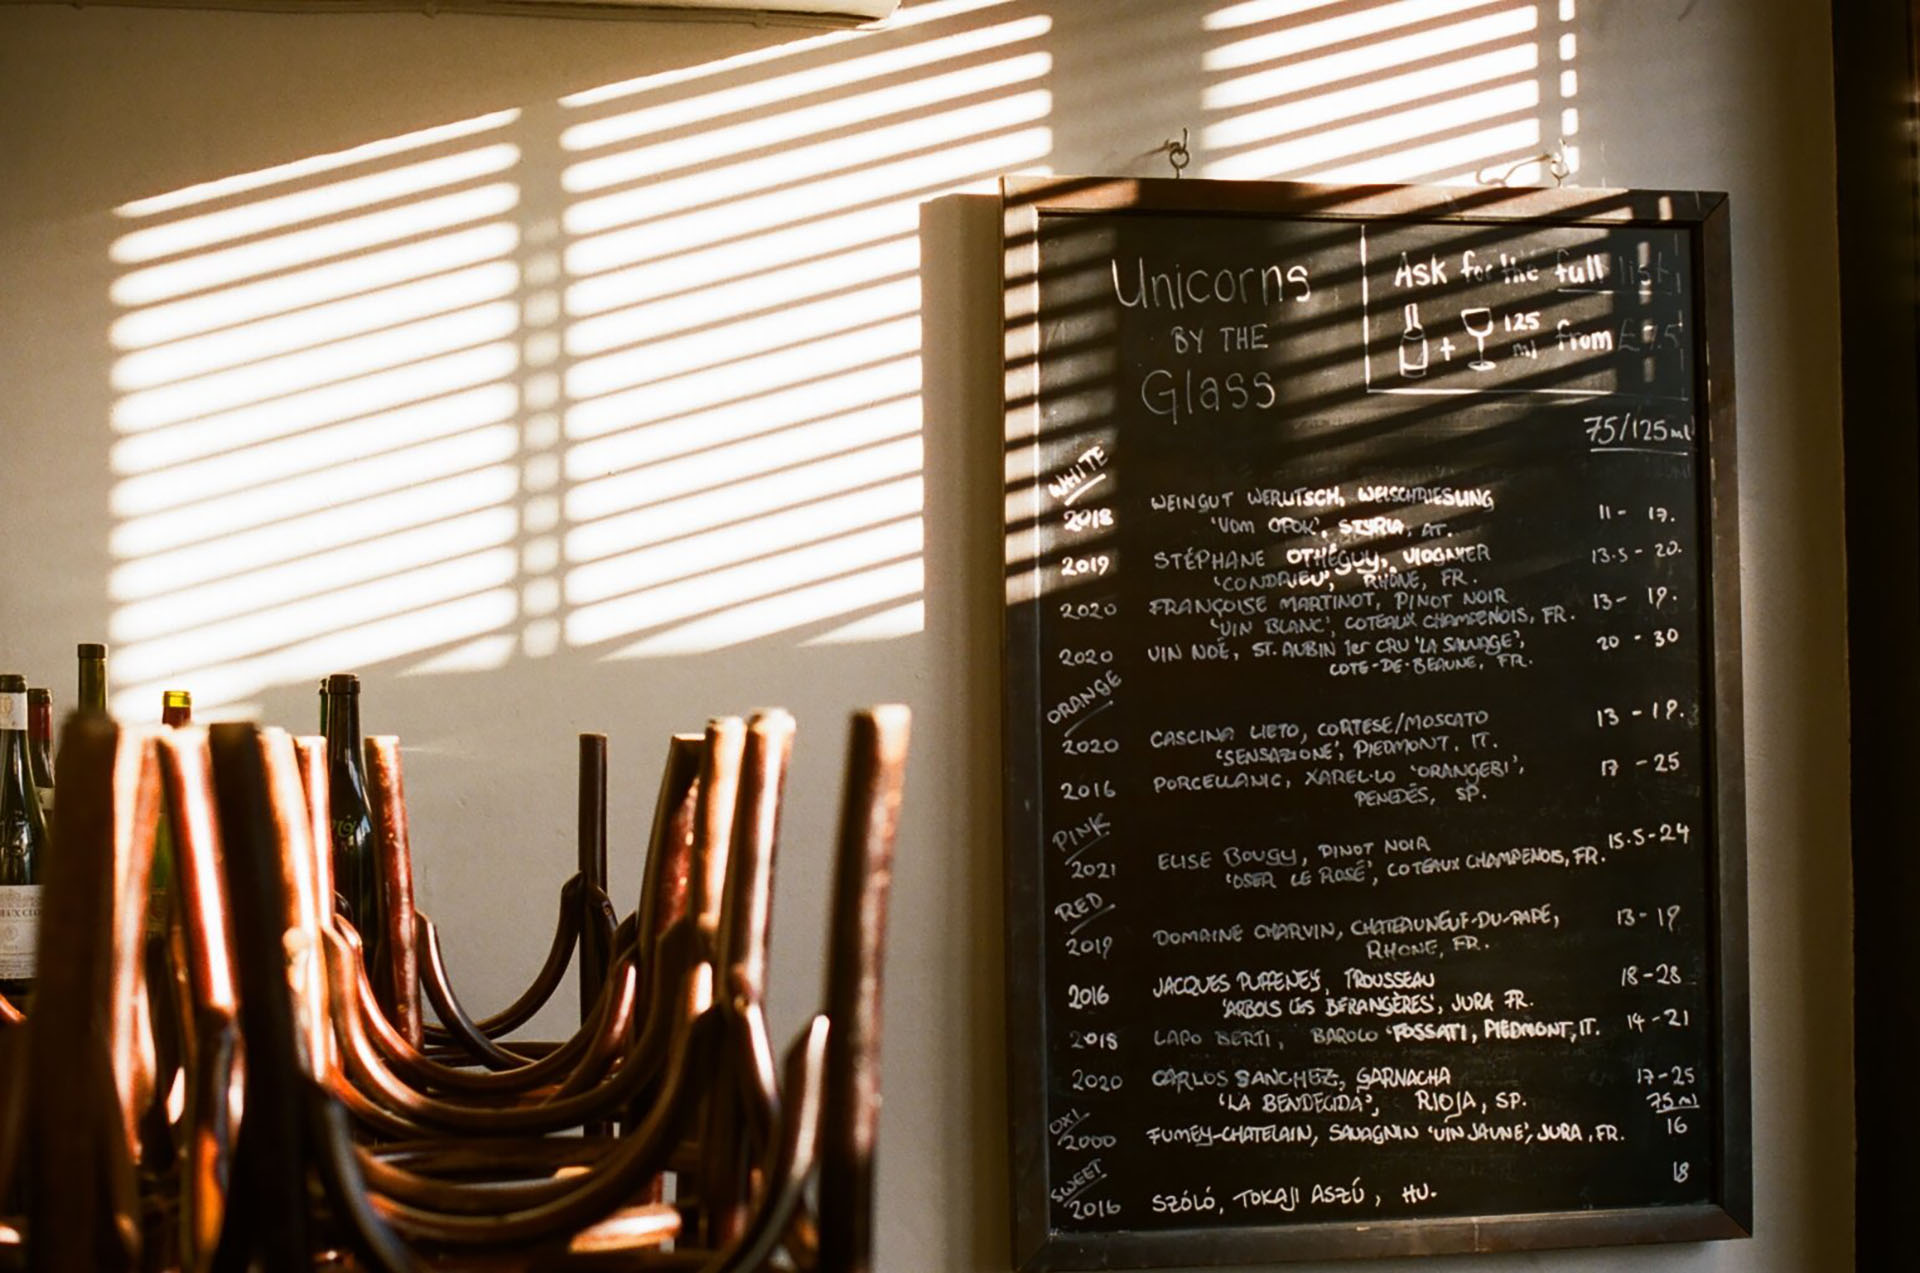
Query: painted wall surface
[[572, 375]]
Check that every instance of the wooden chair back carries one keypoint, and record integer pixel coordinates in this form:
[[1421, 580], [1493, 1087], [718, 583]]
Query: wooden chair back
[[84, 1067], [585, 931], [830, 1100], [666, 878], [714, 804], [13, 1112], [263, 815], [393, 857], [89, 1073], [378, 1081], [747, 913], [830, 1091], [267, 834], [310, 759], [211, 1052], [740, 1104], [597, 922], [862, 878]]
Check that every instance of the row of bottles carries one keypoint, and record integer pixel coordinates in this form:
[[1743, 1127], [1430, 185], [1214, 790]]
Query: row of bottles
[[26, 807], [27, 800], [23, 840]]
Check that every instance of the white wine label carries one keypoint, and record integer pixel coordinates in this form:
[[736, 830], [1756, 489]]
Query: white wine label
[[19, 930], [13, 710], [46, 800]]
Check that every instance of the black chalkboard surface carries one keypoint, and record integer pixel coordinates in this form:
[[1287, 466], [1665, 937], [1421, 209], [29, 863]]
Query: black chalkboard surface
[[1373, 755]]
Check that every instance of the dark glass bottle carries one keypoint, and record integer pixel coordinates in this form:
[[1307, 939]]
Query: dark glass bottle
[[23, 841], [176, 709], [40, 745], [93, 678], [356, 876]]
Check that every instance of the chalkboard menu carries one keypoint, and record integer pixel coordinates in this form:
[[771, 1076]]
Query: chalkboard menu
[[1373, 758]]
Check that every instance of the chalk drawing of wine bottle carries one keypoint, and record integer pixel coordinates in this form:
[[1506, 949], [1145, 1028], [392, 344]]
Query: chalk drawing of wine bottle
[[1413, 345]]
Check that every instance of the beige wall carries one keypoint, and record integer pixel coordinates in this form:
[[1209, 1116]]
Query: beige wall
[[622, 305]]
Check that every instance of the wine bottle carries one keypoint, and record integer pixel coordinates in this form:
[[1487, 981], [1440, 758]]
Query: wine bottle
[[40, 745], [356, 877], [166, 958], [176, 709], [93, 677], [23, 840]]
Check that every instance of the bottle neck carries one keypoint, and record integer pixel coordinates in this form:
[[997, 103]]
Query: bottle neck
[[93, 685], [343, 725], [40, 722], [16, 767]]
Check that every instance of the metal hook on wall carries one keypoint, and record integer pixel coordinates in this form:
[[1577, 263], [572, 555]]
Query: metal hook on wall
[[1555, 160], [1177, 153]]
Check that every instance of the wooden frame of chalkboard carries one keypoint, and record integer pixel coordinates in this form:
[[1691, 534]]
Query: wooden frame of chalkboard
[[1125, 450]]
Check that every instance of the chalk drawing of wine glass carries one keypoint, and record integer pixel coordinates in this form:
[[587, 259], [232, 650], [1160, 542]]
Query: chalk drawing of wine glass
[[1479, 324]]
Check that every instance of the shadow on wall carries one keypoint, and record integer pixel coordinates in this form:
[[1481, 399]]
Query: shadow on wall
[[629, 374], [635, 373], [588, 406]]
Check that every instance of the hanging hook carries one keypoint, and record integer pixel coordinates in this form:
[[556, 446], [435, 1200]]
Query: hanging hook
[[1555, 160], [1558, 167], [1177, 153]]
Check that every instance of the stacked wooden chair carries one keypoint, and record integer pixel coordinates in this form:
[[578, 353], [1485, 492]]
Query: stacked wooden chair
[[318, 1125], [107, 1185], [584, 933]]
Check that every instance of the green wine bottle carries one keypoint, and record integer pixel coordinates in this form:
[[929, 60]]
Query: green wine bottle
[[165, 936], [176, 709], [23, 841], [358, 894], [93, 678]]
